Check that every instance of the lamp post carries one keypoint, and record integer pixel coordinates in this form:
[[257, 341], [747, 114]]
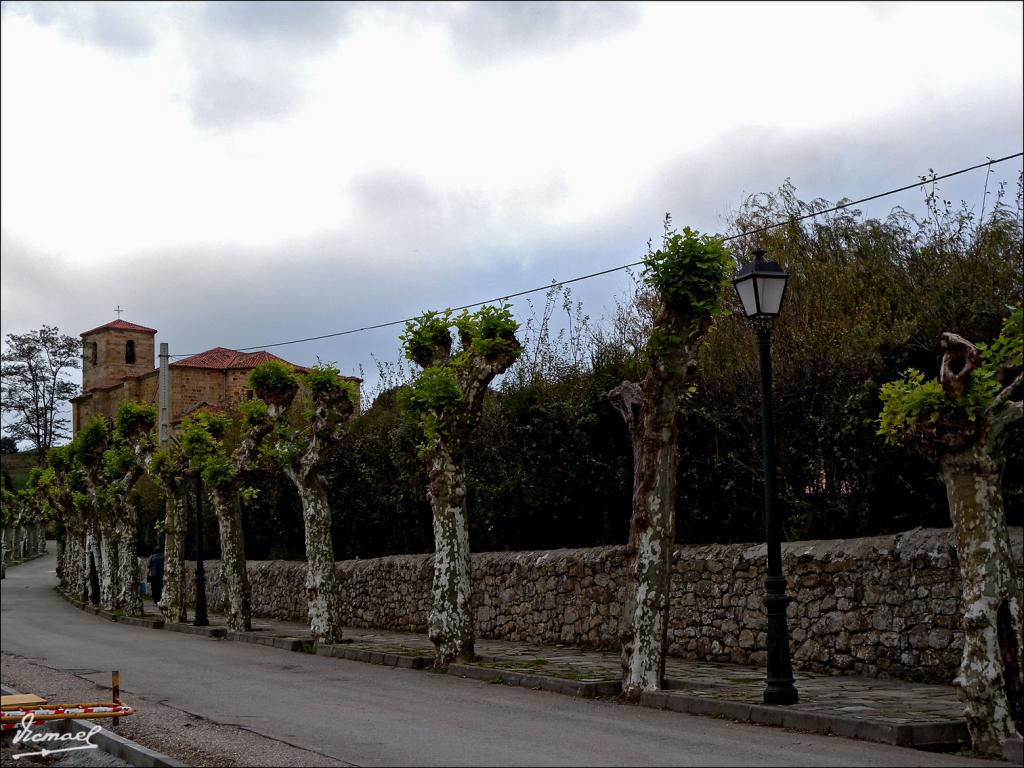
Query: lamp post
[[201, 619], [761, 286]]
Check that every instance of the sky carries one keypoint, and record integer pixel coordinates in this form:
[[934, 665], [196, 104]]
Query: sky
[[245, 173]]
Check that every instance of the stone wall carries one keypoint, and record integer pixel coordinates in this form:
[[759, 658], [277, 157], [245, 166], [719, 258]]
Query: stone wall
[[881, 606]]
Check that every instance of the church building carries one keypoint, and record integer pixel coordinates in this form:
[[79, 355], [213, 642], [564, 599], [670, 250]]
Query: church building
[[118, 364]]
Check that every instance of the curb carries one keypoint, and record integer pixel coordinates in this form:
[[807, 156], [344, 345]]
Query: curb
[[285, 643], [932, 737], [588, 689], [214, 633], [118, 746], [342, 651], [135, 621]]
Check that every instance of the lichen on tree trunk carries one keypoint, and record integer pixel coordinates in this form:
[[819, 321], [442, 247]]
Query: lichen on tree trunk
[[127, 597], [72, 553], [107, 566], [321, 577], [172, 600], [451, 617], [94, 561], [686, 277], [234, 577], [650, 413], [971, 452], [449, 410], [991, 676]]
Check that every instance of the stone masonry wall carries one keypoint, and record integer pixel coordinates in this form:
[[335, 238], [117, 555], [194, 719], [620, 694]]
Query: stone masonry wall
[[881, 606]]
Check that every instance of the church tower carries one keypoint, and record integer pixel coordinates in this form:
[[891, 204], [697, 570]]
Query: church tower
[[114, 351]]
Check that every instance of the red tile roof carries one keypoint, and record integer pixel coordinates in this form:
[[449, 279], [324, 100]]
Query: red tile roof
[[120, 325], [223, 359]]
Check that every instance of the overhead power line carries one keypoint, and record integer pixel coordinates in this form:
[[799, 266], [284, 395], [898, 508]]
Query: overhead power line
[[789, 220]]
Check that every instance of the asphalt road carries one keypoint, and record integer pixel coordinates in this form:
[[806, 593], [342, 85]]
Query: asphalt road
[[369, 715]]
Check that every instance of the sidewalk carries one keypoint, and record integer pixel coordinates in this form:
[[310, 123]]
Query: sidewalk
[[888, 711]]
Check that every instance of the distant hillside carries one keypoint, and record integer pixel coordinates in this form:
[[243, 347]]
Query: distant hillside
[[18, 465]]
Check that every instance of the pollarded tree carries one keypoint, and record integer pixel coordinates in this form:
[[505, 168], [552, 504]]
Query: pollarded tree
[[87, 449], [169, 467], [124, 462], [962, 420], [302, 451], [202, 443], [687, 274], [29, 508], [66, 493], [447, 398]]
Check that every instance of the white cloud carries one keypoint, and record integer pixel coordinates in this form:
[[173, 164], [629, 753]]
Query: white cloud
[[531, 140]]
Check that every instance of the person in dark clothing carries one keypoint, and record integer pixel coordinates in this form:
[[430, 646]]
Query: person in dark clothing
[[155, 575]]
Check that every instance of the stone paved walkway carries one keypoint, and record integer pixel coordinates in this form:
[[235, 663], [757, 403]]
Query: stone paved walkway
[[889, 711]]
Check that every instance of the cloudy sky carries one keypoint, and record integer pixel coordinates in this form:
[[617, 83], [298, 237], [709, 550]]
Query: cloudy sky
[[240, 174]]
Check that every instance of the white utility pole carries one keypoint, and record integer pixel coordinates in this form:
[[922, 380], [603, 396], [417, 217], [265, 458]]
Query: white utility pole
[[165, 389]]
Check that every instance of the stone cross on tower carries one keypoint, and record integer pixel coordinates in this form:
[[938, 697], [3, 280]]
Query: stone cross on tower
[[119, 311]]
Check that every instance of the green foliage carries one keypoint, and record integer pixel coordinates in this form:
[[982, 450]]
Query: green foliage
[[132, 420], [424, 334], [160, 463], [202, 443], [1007, 350], [908, 401], [6, 506], [328, 388], [689, 273], [118, 461], [488, 331], [272, 379], [912, 405], [253, 411], [435, 389], [60, 459], [91, 441]]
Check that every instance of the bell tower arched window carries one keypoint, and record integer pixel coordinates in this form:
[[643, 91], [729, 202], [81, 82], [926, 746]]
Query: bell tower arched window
[[129, 352]]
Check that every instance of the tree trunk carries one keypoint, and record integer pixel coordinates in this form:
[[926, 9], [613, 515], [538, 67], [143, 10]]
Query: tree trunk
[[234, 578], [991, 678], [172, 600], [66, 564], [107, 565], [651, 415], [62, 566], [71, 555], [321, 576], [79, 585], [94, 551], [451, 617], [129, 599]]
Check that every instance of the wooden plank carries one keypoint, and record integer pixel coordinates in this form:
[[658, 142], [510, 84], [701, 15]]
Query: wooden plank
[[20, 700]]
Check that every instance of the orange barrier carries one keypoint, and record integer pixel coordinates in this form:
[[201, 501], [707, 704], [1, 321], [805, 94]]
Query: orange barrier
[[11, 719]]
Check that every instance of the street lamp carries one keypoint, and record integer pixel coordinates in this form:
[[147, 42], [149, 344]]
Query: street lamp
[[761, 286]]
